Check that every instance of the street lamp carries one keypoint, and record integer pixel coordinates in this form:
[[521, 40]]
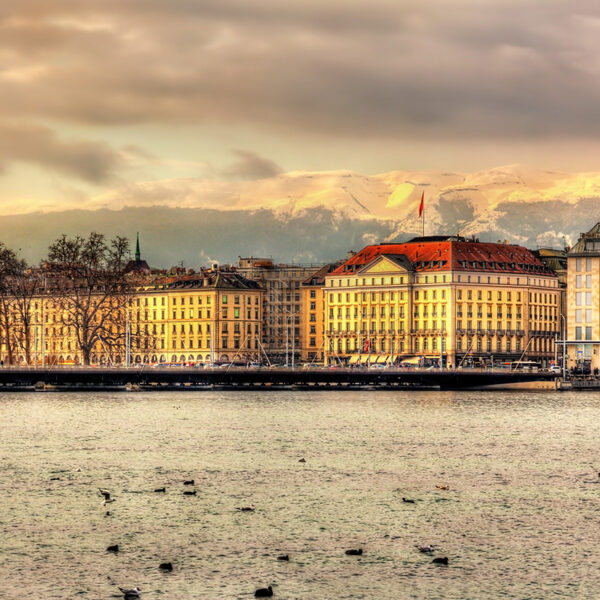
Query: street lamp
[[564, 357], [213, 333], [291, 316]]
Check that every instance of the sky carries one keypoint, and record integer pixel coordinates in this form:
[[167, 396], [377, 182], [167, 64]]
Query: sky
[[106, 101]]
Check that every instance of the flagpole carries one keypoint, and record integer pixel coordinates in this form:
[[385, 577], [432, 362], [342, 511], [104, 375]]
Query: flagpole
[[423, 219]]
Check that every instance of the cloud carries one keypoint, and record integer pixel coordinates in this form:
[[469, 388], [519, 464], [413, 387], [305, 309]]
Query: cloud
[[95, 162], [405, 70], [250, 166]]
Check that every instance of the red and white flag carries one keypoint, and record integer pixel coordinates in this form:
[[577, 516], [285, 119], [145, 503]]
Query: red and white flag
[[421, 206]]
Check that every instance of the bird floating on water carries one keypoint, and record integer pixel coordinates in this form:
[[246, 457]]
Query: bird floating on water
[[107, 496], [263, 592], [283, 557], [114, 548], [189, 482], [354, 552], [440, 560], [302, 460], [166, 566], [249, 508], [162, 489], [426, 549], [408, 500], [442, 487], [189, 493], [131, 592]]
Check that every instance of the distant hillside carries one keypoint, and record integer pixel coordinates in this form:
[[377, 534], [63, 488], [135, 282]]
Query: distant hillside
[[310, 217]]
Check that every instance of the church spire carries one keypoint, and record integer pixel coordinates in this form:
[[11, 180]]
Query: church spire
[[137, 248]]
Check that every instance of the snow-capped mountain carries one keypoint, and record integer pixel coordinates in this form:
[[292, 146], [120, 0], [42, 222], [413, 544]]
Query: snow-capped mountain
[[316, 216]]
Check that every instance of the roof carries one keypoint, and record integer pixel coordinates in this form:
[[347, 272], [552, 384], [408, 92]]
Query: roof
[[583, 246], [318, 277], [452, 255], [208, 279]]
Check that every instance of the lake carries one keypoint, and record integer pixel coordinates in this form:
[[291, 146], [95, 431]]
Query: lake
[[519, 520]]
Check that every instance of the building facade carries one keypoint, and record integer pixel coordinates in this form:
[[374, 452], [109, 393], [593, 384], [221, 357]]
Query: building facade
[[583, 303], [282, 304], [312, 314], [213, 316], [441, 301]]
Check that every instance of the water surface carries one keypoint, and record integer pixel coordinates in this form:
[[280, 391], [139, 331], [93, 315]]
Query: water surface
[[520, 519]]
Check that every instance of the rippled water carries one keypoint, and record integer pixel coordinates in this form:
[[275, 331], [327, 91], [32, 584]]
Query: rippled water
[[520, 520]]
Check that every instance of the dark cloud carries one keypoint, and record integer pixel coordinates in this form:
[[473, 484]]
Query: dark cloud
[[250, 166], [95, 162], [406, 70]]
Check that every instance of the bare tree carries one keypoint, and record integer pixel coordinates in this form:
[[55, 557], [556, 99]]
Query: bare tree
[[17, 289], [91, 291]]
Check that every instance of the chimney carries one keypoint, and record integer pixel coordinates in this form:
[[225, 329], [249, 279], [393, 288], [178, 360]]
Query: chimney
[[350, 254]]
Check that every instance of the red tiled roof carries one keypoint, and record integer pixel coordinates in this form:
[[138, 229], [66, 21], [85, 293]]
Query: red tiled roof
[[453, 255]]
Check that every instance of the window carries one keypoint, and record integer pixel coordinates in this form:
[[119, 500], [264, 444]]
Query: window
[[588, 281], [578, 297], [578, 333], [236, 313], [578, 315], [578, 281], [588, 333], [224, 299], [578, 263]]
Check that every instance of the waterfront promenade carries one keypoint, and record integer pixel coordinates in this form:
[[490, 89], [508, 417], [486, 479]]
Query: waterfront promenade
[[185, 378]]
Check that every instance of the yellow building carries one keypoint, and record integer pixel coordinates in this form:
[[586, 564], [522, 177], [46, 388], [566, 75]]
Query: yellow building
[[583, 302], [210, 317], [441, 300], [312, 314], [213, 316]]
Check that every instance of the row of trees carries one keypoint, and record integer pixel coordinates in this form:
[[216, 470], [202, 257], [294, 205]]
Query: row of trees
[[85, 281]]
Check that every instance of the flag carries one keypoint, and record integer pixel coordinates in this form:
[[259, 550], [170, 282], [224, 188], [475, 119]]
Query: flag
[[367, 343], [421, 206]]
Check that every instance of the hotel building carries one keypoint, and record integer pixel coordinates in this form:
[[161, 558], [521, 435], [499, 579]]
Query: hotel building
[[441, 301]]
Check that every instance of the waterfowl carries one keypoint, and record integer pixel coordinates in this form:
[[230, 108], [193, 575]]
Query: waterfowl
[[408, 500], [283, 557], [247, 508], [114, 548], [131, 592], [107, 497], [166, 566], [429, 548], [189, 482], [354, 552], [440, 560], [162, 489], [263, 592], [189, 493], [442, 487]]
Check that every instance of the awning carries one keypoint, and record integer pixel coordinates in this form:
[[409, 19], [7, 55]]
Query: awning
[[364, 358], [413, 360], [383, 358], [354, 359]]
